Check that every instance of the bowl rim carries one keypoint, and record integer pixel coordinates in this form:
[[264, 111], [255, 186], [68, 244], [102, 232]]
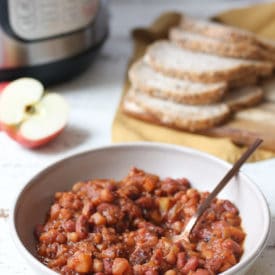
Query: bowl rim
[[157, 145]]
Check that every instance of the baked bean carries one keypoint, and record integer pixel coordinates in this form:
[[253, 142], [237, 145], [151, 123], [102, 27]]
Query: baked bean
[[65, 214], [171, 257], [233, 246], [77, 186], [177, 227], [48, 237], [73, 237], [97, 265], [97, 219], [80, 262], [106, 195], [124, 228], [69, 226], [61, 238], [121, 266]]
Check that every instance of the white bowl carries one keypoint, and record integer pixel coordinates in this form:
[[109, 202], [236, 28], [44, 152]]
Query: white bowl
[[204, 171]]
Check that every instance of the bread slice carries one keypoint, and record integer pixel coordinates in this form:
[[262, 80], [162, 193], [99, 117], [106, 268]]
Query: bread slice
[[243, 81], [225, 33], [144, 78], [175, 115], [188, 117], [269, 89], [217, 30], [202, 43], [170, 59], [243, 97]]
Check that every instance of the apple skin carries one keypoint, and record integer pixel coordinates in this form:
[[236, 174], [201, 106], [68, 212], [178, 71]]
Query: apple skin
[[2, 87], [13, 132]]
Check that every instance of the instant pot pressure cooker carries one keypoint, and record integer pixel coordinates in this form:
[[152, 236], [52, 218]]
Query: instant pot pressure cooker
[[51, 40]]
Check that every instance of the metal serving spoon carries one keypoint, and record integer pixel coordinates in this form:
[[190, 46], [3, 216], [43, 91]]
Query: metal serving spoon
[[232, 172]]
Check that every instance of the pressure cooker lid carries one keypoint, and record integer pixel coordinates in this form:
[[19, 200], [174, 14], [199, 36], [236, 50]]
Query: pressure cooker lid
[[43, 19]]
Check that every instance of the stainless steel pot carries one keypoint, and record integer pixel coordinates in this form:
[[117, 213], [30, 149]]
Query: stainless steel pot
[[48, 39]]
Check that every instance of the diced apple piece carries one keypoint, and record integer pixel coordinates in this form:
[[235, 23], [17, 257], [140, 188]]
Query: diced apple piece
[[164, 204]]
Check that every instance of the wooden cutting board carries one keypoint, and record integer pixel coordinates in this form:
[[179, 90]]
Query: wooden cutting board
[[250, 123]]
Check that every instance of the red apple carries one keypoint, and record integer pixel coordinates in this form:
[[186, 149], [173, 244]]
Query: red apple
[[30, 117], [2, 86]]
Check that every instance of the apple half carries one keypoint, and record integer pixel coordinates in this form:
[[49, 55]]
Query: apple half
[[29, 116]]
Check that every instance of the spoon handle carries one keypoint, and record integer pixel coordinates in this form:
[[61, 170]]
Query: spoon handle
[[235, 168]]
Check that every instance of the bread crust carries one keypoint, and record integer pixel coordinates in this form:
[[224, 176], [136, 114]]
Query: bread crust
[[254, 97], [159, 117], [217, 30], [210, 94], [137, 108], [242, 70], [147, 117], [218, 47], [226, 33]]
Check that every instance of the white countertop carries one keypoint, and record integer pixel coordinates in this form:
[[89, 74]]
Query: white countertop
[[93, 98]]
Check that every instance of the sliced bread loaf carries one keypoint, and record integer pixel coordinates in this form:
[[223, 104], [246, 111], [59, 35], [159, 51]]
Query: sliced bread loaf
[[198, 42], [170, 59], [146, 79], [180, 116]]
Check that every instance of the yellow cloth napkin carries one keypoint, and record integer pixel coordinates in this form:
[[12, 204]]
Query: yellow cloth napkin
[[260, 19]]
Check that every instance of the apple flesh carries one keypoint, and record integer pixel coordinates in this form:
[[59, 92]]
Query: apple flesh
[[30, 117]]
